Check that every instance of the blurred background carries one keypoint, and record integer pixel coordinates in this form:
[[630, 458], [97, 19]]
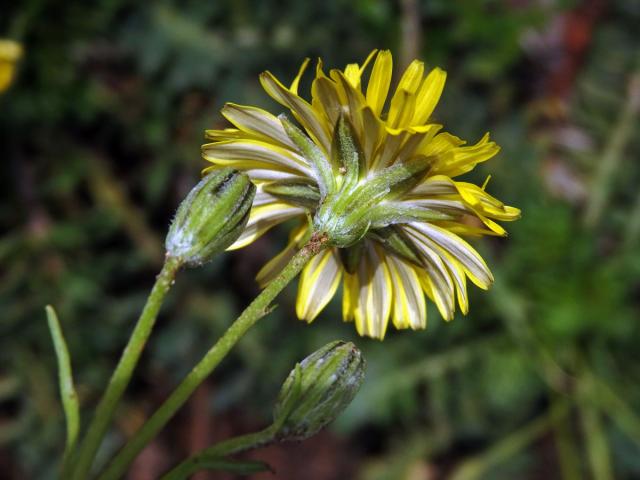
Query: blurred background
[[100, 138]]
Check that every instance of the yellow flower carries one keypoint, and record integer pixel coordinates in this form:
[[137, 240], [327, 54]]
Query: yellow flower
[[10, 53], [378, 184]]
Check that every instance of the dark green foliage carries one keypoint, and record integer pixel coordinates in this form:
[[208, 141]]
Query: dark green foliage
[[100, 140]]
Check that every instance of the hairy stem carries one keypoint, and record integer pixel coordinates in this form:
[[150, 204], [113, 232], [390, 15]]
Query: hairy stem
[[231, 446], [122, 374], [256, 310]]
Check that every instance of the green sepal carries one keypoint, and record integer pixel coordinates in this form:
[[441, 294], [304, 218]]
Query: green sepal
[[317, 159], [391, 181], [287, 403], [298, 192], [346, 152], [389, 213], [419, 167]]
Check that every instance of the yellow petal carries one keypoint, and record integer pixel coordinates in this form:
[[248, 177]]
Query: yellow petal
[[487, 204], [218, 135], [459, 278], [403, 102], [374, 299], [352, 74], [274, 266], [465, 230], [470, 260], [318, 284], [352, 98], [379, 82], [465, 158], [257, 122], [256, 154], [409, 307], [441, 143], [262, 218], [10, 53], [477, 202], [303, 112], [435, 278], [368, 60], [296, 81], [412, 77], [325, 98], [386, 152], [402, 108], [429, 95], [373, 134], [350, 288], [435, 185]]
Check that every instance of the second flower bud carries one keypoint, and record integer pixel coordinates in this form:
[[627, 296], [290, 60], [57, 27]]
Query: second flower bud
[[211, 217]]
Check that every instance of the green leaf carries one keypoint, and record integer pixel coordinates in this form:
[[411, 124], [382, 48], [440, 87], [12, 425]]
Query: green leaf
[[67, 390]]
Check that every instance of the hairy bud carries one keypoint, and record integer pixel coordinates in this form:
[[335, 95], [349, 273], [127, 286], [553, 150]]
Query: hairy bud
[[318, 389], [212, 217]]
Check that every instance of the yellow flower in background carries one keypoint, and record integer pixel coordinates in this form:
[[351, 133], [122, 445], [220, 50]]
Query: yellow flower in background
[[378, 182], [10, 53]]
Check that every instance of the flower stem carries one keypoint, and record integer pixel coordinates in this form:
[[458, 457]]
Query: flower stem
[[122, 374], [256, 310], [199, 460]]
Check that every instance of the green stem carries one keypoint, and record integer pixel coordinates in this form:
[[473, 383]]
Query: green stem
[[225, 448], [256, 310], [122, 374]]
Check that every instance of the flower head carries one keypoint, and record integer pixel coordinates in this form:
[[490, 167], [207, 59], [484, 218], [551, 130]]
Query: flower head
[[379, 183], [10, 53]]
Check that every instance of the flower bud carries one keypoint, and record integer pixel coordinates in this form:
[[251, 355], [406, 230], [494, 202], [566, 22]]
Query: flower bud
[[212, 217], [318, 390]]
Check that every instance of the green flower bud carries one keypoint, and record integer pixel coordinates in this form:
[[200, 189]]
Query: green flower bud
[[317, 390], [212, 217]]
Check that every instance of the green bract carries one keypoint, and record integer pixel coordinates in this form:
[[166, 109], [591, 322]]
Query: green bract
[[348, 202], [318, 389], [212, 217]]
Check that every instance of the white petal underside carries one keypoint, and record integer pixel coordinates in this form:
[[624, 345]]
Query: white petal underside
[[262, 219], [318, 284]]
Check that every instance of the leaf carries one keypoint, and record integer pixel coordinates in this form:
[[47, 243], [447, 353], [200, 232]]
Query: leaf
[[67, 390]]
